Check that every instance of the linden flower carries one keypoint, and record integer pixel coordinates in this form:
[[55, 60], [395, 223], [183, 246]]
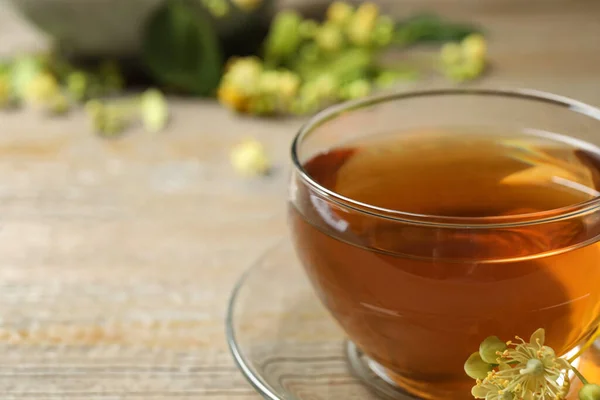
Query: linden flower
[[489, 391], [528, 371], [249, 158]]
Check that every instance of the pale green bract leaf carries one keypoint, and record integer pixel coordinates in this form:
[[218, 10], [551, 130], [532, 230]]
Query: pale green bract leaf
[[154, 110], [476, 368], [489, 349], [479, 392]]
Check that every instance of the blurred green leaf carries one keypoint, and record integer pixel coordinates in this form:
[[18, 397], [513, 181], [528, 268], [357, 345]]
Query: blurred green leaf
[[181, 49], [431, 28]]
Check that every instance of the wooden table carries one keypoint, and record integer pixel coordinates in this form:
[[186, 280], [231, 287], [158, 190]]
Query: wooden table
[[118, 256]]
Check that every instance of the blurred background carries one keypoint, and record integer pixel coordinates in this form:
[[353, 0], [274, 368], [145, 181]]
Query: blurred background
[[530, 41], [526, 44]]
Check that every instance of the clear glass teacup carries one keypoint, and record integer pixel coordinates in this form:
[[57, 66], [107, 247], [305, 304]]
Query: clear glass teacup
[[427, 221]]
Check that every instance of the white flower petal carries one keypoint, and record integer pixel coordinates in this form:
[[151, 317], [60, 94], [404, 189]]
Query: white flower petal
[[538, 337]]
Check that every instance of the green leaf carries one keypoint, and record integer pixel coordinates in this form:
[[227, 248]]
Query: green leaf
[[426, 27], [181, 49]]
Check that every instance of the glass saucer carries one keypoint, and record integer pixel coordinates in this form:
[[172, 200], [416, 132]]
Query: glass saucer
[[290, 348], [286, 343]]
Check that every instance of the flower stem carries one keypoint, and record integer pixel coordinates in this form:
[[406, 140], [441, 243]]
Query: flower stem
[[583, 348], [581, 377]]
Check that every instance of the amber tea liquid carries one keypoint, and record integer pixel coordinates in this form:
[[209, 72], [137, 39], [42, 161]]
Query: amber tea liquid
[[419, 299]]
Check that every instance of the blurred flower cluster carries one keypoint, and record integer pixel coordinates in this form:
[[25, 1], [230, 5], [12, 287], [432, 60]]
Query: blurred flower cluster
[[304, 65], [464, 60], [52, 85], [307, 64]]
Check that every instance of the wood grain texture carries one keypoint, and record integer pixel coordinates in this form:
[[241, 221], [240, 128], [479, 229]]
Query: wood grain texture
[[118, 256]]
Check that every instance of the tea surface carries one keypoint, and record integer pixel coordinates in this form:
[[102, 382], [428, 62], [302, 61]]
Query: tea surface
[[462, 175], [419, 299]]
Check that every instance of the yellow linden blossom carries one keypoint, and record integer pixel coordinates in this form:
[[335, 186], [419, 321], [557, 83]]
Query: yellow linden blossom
[[42, 89], [360, 27], [154, 110], [489, 391], [465, 60], [240, 83], [247, 87], [339, 12], [249, 158], [474, 46], [526, 370]]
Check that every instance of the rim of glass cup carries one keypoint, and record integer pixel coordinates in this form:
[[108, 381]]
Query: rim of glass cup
[[540, 217]]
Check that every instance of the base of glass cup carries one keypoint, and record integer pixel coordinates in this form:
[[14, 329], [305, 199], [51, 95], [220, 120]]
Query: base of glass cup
[[389, 385], [373, 374]]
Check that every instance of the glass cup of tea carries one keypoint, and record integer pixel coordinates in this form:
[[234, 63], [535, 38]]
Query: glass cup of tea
[[428, 221]]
